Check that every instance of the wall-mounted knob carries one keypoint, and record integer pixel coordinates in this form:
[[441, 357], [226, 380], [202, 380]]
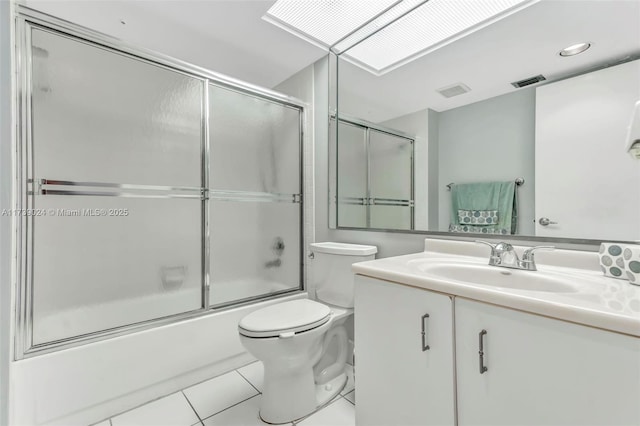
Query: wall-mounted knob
[[278, 246], [544, 221]]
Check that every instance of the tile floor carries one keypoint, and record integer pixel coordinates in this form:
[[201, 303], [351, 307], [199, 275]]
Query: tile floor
[[231, 399]]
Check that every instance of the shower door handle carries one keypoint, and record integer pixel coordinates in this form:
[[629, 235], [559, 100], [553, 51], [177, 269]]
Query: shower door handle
[[423, 321]]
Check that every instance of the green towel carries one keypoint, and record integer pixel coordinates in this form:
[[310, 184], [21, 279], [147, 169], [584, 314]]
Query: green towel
[[500, 196]]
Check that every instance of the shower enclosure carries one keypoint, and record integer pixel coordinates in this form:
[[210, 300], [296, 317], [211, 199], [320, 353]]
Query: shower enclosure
[[150, 190]]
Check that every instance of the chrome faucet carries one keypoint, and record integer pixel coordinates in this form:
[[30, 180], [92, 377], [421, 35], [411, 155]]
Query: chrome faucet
[[503, 254]]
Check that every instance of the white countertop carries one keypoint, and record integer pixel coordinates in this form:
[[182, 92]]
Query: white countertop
[[602, 302]]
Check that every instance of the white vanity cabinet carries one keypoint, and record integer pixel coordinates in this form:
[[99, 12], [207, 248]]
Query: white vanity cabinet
[[542, 371], [403, 378], [539, 370]]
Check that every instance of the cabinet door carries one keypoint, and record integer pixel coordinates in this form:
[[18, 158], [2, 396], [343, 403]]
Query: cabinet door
[[542, 371], [397, 382]]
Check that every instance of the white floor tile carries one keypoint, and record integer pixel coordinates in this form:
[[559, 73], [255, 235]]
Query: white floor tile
[[244, 414], [221, 392], [350, 381], [105, 423], [254, 373], [173, 410], [351, 397], [338, 413]]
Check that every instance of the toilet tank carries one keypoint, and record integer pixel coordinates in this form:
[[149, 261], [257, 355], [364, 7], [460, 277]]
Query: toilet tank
[[331, 273]]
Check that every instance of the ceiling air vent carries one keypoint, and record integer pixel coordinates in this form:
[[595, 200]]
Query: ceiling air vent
[[529, 81], [453, 90]]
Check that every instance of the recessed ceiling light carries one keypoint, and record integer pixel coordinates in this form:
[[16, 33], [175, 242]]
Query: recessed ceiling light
[[574, 49]]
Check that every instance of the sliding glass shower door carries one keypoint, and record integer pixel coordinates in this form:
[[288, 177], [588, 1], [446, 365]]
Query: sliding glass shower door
[[390, 181], [116, 154], [255, 192], [152, 191]]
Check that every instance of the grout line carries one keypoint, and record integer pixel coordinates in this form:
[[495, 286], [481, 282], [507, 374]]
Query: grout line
[[249, 381], [231, 406], [191, 405], [110, 423]]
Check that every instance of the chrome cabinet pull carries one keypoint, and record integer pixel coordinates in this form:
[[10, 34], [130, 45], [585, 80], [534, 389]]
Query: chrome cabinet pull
[[425, 346], [483, 368]]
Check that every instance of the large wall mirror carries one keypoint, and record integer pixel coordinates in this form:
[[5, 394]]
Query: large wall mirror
[[492, 130]]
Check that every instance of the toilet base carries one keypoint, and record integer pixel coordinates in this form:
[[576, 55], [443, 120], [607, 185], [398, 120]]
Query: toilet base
[[324, 395]]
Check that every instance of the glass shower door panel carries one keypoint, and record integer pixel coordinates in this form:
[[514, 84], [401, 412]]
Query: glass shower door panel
[[390, 162], [352, 175], [255, 249], [254, 142], [106, 262], [102, 116], [391, 217], [352, 216]]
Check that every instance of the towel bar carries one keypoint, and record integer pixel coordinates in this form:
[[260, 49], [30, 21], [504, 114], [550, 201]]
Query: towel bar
[[519, 181]]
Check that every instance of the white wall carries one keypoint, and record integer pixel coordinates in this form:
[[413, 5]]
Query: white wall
[[417, 124], [6, 191], [491, 140]]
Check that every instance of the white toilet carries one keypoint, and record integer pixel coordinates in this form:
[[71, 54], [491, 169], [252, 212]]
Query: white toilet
[[303, 343]]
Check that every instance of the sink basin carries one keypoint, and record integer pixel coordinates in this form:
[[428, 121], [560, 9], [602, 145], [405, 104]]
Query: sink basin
[[495, 276]]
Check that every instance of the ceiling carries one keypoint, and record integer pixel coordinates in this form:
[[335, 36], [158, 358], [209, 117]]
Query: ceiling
[[225, 36], [520, 46], [229, 37]]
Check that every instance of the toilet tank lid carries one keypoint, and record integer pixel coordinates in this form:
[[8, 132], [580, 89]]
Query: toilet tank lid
[[343, 249]]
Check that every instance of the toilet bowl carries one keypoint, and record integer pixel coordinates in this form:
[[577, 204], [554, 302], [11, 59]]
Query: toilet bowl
[[301, 333], [303, 343]]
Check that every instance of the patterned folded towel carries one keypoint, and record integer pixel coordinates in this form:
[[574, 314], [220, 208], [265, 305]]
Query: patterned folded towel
[[478, 217]]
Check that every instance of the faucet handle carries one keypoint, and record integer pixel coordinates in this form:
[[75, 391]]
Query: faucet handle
[[493, 246], [494, 258], [528, 253]]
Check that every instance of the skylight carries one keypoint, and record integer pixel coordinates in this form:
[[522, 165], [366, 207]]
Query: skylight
[[325, 22], [429, 26]]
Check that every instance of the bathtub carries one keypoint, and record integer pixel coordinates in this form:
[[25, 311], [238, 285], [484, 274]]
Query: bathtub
[[83, 320], [224, 292], [88, 383]]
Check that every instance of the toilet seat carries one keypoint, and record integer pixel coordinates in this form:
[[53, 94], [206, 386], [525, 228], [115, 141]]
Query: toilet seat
[[284, 319]]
